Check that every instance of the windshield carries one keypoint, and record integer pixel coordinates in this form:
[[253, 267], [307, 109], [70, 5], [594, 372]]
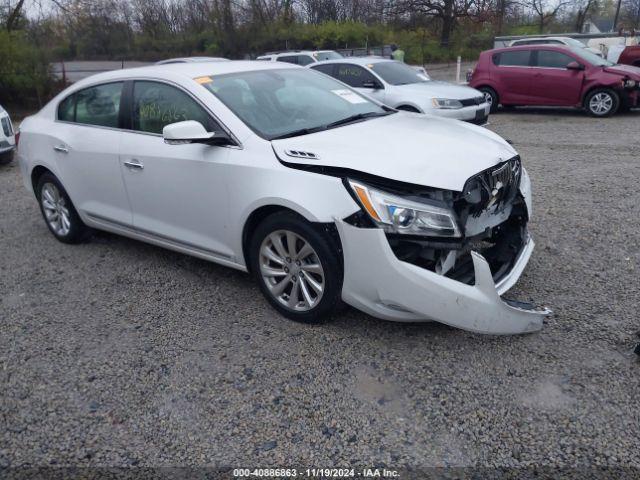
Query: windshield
[[591, 57], [329, 55], [277, 103], [396, 73]]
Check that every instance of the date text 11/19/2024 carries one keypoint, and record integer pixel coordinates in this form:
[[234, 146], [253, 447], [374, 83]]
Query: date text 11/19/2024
[[315, 473]]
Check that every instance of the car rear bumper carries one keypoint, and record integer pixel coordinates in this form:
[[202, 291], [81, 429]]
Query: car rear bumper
[[378, 283]]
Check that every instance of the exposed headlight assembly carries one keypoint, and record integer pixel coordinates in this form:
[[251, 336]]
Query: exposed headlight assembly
[[629, 83], [396, 214], [446, 103]]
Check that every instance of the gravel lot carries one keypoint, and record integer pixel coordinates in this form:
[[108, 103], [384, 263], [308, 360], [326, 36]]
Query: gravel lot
[[116, 353]]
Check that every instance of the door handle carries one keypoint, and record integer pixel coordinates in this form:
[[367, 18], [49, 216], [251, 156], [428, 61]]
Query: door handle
[[61, 149], [134, 164]]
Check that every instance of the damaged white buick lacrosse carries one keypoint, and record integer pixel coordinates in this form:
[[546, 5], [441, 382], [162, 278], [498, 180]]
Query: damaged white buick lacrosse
[[320, 192]]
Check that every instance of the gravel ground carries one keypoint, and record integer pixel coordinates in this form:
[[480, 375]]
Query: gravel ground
[[116, 353]]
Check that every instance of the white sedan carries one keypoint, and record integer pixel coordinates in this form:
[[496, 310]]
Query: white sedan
[[405, 88], [7, 137], [321, 193]]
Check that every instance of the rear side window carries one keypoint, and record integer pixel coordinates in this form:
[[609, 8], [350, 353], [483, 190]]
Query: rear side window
[[328, 69], [66, 109], [99, 105], [354, 75], [156, 105], [553, 59], [288, 59], [518, 58], [305, 60]]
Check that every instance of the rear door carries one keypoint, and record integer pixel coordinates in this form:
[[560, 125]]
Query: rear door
[[512, 70], [85, 142], [177, 192], [553, 83]]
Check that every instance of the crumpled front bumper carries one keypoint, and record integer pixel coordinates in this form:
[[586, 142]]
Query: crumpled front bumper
[[376, 282]]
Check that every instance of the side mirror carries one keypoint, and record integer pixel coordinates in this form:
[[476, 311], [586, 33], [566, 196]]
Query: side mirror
[[191, 131], [575, 66], [371, 84]]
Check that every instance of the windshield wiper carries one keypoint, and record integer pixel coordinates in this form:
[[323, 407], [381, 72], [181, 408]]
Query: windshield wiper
[[355, 118], [302, 131]]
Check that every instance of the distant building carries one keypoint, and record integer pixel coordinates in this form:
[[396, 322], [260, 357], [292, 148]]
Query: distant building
[[597, 25]]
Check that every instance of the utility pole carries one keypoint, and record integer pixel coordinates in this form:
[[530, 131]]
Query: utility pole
[[615, 19]]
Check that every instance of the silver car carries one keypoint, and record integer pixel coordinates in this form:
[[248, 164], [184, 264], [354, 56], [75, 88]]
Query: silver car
[[402, 87]]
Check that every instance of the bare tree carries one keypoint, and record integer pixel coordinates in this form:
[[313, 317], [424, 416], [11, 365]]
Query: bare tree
[[544, 10]]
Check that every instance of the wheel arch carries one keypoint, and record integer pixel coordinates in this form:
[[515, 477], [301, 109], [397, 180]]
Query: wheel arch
[[36, 174], [598, 86], [260, 213]]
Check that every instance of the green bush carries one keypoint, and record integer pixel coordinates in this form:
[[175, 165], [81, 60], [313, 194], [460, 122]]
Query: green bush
[[25, 76]]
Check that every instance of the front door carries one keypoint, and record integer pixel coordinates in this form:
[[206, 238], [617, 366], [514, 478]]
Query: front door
[[361, 79], [177, 192], [553, 83]]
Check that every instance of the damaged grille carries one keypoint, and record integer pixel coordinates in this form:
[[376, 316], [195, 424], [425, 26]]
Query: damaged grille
[[496, 186]]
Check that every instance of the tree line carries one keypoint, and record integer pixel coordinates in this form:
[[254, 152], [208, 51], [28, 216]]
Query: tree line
[[35, 32]]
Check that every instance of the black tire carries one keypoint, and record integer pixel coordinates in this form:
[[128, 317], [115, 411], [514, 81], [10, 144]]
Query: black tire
[[609, 98], [5, 158], [490, 93], [77, 230], [326, 250]]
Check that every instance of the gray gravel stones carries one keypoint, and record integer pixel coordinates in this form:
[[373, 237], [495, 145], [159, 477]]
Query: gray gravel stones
[[117, 353]]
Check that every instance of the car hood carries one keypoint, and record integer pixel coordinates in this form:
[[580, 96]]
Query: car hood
[[407, 147], [626, 70], [434, 89]]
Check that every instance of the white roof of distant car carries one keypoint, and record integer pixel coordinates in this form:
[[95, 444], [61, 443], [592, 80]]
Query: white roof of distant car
[[191, 60], [516, 41], [357, 60]]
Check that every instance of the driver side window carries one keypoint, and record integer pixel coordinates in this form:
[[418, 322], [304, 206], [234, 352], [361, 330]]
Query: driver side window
[[354, 75], [156, 105]]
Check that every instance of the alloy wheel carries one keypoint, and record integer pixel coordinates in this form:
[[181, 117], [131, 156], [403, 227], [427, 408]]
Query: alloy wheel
[[488, 98], [601, 103], [291, 270], [55, 209]]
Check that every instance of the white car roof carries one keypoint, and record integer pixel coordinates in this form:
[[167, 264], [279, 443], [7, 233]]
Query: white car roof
[[188, 70], [357, 60], [191, 60]]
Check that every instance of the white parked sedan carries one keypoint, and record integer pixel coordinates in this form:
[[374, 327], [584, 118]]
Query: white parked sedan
[[324, 195], [7, 137], [402, 87]]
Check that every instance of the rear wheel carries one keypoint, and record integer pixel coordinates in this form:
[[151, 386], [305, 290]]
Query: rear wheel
[[59, 214], [491, 96], [297, 267], [602, 102]]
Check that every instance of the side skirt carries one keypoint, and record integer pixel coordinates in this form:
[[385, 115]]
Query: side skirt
[[101, 223]]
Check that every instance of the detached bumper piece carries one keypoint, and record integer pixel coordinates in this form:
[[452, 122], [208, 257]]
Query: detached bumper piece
[[377, 282]]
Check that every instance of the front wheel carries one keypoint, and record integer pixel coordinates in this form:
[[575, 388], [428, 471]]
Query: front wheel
[[298, 267], [602, 102], [491, 96], [59, 214]]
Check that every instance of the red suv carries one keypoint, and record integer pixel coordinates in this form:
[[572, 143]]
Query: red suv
[[552, 75]]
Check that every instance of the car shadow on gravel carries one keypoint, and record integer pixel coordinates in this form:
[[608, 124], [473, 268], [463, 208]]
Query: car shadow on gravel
[[350, 321]]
